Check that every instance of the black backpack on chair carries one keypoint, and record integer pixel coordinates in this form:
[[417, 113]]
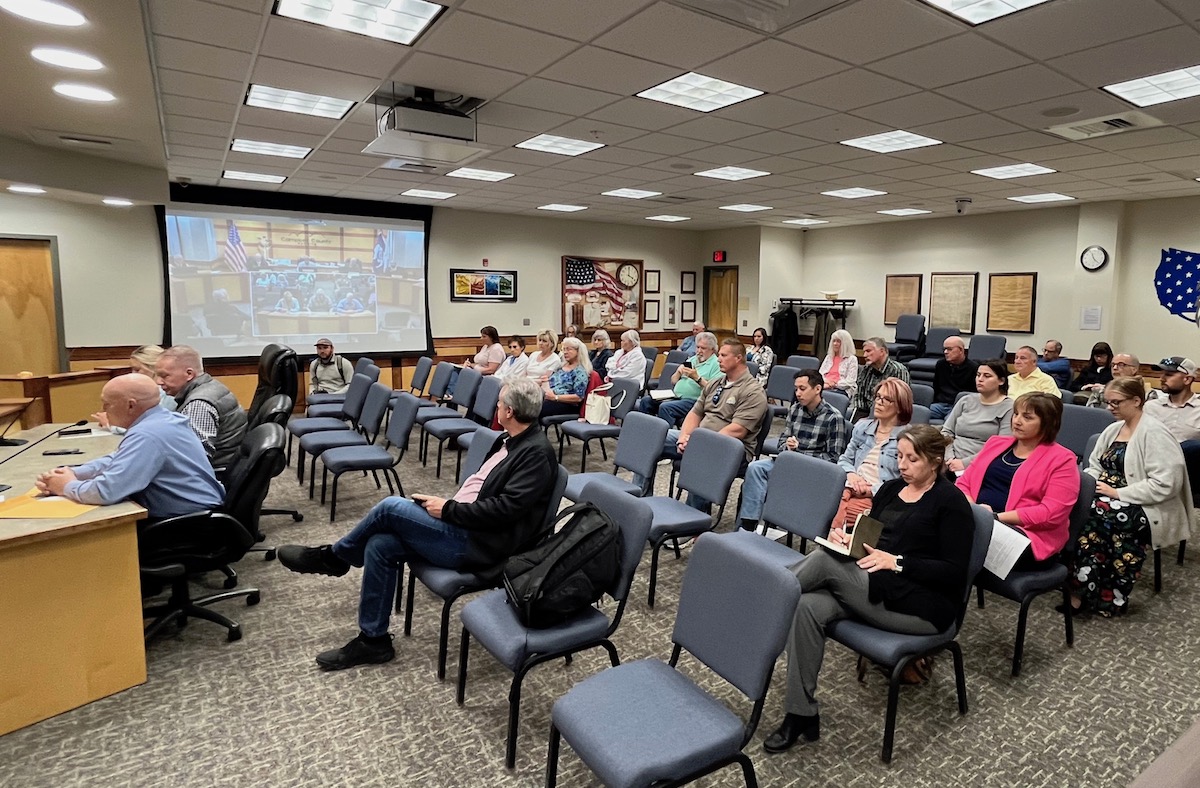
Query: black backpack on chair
[[567, 572]]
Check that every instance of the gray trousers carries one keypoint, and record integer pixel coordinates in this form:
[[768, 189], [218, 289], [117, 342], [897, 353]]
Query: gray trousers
[[831, 588]]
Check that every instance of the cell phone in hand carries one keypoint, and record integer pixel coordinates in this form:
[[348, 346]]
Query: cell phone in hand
[[686, 365]]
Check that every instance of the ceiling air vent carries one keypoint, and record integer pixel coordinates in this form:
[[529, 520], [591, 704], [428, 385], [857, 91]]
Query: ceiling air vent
[[402, 165], [1103, 126]]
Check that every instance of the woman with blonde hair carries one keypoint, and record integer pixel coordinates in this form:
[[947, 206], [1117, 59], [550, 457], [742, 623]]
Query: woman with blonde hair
[[544, 361], [564, 391], [870, 457], [141, 362], [840, 366]]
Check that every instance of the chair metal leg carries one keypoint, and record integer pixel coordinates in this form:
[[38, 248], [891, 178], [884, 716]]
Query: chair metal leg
[[438, 474], [747, 770], [458, 466], [552, 757], [561, 437], [653, 574], [375, 475], [464, 648], [603, 451], [613, 657], [312, 477], [300, 464], [408, 604], [231, 578], [979, 595], [1068, 618], [582, 458], [1157, 570], [443, 638], [332, 497], [1182, 548], [514, 713], [960, 676], [399, 586], [1022, 623], [324, 482], [889, 724]]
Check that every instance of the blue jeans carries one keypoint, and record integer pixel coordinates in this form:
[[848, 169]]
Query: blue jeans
[[940, 410], [671, 452], [395, 530], [754, 488], [674, 411]]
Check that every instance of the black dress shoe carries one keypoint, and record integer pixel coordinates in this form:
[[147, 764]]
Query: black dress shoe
[[312, 560], [360, 651], [794, 726]]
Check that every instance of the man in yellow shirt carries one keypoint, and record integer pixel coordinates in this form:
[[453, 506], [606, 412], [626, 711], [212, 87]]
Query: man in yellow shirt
[[1028, 377]]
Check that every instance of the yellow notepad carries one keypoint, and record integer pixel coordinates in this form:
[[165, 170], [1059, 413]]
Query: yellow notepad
[[33, 506]]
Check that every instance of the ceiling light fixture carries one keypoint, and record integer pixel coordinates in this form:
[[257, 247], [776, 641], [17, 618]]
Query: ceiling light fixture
[[731, 173], [805, 222], [19, 188], [45, 12], [83, 92], [237, 175], [666, 217], [631, 194], [1048, 197], [1013, 171], [746, 207], [563, 146], [66, 58], [297, 102], [270, 149], [979, 11], [891, 141], [427, 194], [117, 202], [903, 211], [854, 193], [1159, 88], [557, 206], [479, 175], [698, 92], [401, 21]]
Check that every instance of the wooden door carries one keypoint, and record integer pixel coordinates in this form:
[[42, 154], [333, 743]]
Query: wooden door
[[720, 300], [28, 308]]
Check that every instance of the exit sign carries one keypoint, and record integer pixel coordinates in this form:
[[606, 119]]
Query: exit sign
[[719, 256]]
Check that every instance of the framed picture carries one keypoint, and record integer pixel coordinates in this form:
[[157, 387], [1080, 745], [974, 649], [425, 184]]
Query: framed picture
[[687, 282], [901, 297], [650, 312], [602, 293], [687, 310], [1012, 302], [486, 286], [952, 300], [653, 280]]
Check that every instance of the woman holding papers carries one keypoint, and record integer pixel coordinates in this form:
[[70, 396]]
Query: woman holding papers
[[912, 581], [1028, 481], [1142, 500], [977, 417], [870, 458]]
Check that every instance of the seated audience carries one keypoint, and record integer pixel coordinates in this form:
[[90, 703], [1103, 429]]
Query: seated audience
[[213, 411], [1028, 377], [545, 360], [1053, 363], [498, 511], [319, 302], [814, 427], [1178, 408], [490, 355], [761, 353], [287, 303], [870, 458], [601, 350], [160, 464], [564, 390], [688, 345], [629, 361], [978, 417], [687, 382], [840, 366], [953, 374], [348, 305], [1027, 480], [516, 362], [1142, 502], [1095, 375], [329, 373], [1124, 365], [912, 581], [878, 368]]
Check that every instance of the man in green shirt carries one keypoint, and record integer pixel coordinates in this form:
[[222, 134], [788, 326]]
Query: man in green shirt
[[690, 379]]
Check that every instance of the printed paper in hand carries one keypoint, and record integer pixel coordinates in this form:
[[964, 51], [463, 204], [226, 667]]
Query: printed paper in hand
[[1007, 545]]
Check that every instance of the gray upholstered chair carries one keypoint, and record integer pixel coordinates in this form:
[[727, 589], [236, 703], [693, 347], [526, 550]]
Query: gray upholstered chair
[[804, 362], [987, 346], [1079, 423], [910, 338], [921, 368], [803, 495], [372, 457], [483, 410], [624, 393], [781, 386], [370, 424], [639, 448]]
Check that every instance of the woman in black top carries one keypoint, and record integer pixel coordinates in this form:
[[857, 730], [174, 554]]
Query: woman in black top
[[1096, 375], [911, 582]]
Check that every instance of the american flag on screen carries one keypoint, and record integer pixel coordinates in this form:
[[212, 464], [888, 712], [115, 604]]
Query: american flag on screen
[[583, 276], [379, 254], [235, 253], [1177, 282]]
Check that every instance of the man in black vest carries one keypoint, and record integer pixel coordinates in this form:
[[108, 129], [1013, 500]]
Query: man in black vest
[[215, 414]]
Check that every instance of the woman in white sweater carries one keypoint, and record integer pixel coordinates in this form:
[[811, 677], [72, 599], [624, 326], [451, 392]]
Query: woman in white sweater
[[840, 367], [1142, 502]]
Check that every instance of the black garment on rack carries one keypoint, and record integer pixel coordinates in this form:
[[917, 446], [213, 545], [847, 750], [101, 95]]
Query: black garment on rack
[[823, 329], [785, 331]]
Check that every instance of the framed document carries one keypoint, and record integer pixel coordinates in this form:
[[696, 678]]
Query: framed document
[[687, 282], [901, 297], [687, 310], [651, 307], [653, 280], [952, 299], [1012, 302]]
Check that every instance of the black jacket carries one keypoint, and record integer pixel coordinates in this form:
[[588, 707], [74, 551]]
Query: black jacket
[[949, 380], [507, 516]]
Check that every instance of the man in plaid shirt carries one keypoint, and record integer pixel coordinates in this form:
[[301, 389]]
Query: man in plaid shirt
[[871, 374], [814, 427]]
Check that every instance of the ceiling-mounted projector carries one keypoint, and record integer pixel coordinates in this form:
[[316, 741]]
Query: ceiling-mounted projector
[[426, 133]]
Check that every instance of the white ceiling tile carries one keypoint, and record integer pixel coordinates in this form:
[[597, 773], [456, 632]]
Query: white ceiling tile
[[917, 172], [499, 136], [1089, 104], [196, 125], [207, 141], [666, 144], [499, 113], [1059, 150], [963, 57], [830, 154], [1015, 86], [597, 131], [725, 156], [820, 172], [1142, 56], [643, 114], [1171, 150], [850, 89], [443, 73], [1143, 138], [1008, 142], [199, 108], [711, 129], [477, 39], [190, 152], [557, 96], [181, 83], [772, 112], [291, 39], [1188, 8], [1052, 29], [772, 66], [204, 22], [774, 142], [309, 79], [1116, 171], [200, 58], [901, 113], [1086, 162], [676, 36], [580, 20], [972, 127], [835, 128], [614, 72], [618, 155], [1179, 112], [935, 153], [853, 31], [272, 118]]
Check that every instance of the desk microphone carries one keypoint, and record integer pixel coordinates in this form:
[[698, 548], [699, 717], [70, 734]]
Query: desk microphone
[[5, 442], [79, 423]]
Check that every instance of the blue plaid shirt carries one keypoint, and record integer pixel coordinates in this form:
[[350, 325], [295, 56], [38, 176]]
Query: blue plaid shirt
[[821, 434]]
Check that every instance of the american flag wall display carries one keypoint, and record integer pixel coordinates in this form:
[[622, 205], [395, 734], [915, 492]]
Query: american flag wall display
[[595, 295]]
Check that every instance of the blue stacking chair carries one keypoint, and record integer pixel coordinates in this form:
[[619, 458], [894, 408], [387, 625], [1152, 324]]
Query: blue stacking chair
[[482, 410], [348, 411], [839, 401], [639, 448], [624, 392], [781, 386], [360, 367], [804, 362], [334, 409], [466, 441], [464, 396], [519, 648], [369, 424], [803, 495]]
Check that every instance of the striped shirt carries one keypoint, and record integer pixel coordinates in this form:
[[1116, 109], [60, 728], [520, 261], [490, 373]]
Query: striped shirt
[[820, 434]]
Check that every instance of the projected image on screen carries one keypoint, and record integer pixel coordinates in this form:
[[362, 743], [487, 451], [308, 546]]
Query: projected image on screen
[[240, 281]]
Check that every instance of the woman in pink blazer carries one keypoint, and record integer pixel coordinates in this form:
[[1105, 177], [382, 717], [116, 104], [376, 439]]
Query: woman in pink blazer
[[1028, 481]]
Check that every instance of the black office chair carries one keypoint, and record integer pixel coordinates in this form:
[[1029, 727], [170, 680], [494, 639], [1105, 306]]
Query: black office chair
[[278, 376], [247, 481], [276, 409]]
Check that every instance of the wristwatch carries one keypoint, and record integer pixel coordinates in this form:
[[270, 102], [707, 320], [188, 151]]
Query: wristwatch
[[899, 564]]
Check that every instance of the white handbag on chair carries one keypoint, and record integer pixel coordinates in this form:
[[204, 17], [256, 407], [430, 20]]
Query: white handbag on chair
[[600, 406]]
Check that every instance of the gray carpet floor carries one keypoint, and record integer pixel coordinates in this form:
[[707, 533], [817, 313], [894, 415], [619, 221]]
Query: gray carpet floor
[[260, 712]]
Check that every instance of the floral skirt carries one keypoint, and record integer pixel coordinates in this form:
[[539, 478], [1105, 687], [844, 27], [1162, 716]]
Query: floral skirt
[[1109, 555]]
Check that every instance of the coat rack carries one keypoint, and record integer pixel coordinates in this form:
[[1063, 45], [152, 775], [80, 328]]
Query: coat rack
[[808, 307]]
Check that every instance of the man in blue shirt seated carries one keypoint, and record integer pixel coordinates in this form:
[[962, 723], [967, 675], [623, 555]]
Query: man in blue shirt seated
[[348, 304], [1054, 365], [688, 345], [160, 465]]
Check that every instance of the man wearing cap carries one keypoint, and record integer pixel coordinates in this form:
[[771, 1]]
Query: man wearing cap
[[329, 373], [1179, 409]]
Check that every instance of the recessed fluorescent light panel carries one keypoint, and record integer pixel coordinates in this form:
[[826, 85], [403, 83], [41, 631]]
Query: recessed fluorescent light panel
[[731, 173], [270, 149], [1048, 197], [117, 202], [83, 92], [1159, 88], [854, 194], [903, 212], [426, 194], [17, 188], [557, 206], [236, 175], [297, 102], [979, 11], [746, 207], [631, 194], [805, 222], [402, 21], [698, 92], [66, 58], [479, 175], [666, 217], [563, 146], [45, 12], [892, 141], [1013, 171]]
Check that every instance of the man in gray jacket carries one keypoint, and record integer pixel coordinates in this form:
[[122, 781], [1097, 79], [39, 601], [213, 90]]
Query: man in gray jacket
[[213, 411]]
